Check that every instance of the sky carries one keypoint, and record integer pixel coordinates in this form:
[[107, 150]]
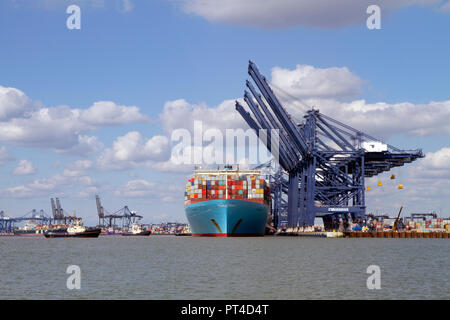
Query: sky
[[91, 111]]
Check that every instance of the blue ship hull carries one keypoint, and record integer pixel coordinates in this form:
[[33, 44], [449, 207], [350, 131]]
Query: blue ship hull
[[227, 217]]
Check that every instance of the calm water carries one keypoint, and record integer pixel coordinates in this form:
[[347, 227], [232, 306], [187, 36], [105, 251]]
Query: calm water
[[169, 267]]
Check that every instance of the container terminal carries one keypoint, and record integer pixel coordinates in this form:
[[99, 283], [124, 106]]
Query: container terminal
[[123, 222], [320, 173]]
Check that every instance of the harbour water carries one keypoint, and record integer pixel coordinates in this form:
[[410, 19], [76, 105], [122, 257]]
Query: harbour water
[[169, 267]]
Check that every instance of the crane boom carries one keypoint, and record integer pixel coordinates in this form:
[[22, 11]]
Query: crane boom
[[395, 227]]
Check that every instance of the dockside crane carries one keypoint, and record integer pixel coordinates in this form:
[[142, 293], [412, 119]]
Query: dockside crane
[[123, 217], [100, 211], [326, 161], [8, 224], [58, 213]]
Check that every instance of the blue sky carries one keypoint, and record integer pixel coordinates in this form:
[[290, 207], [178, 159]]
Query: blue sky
[[160, 51]]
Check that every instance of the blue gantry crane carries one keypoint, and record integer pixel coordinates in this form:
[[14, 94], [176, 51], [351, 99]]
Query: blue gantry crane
[[8, 224], [122, 218], [325, 160]]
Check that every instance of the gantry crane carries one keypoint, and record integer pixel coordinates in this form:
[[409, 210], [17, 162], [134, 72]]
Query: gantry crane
[[123, 217], [326, 161]]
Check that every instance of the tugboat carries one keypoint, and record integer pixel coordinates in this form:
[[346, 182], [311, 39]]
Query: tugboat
[[77, 230], [136, 230]]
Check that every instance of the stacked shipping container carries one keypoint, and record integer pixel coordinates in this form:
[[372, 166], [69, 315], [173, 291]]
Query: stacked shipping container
[[437, 223], [249, 187]]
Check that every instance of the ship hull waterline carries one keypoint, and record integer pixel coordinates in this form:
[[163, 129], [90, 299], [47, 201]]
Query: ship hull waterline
[[227, 218]]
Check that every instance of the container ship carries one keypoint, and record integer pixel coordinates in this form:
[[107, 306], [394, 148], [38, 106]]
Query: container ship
[[224, 203]]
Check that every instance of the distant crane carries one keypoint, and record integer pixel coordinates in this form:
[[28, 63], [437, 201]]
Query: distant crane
[[123, 217], [8, 224], [58, 213], [100, 211]]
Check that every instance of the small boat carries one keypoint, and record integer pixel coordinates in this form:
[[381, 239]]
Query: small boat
[[77, 230], [136, 230], [113, 232]]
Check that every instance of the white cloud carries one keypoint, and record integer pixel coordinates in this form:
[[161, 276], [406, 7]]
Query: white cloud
[[25, 167], [426, 187], [166, 192], [5, 156], [13, 103], [137, 188], [438, 160], [132, 150], [39, 187], [290, 13], [77, 168], [86, 146], [435, 165], [181, 114], [88, 192], [306, 82], [107, 113], [382, 119], [170, 166], [60, 128], [74, 175]]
